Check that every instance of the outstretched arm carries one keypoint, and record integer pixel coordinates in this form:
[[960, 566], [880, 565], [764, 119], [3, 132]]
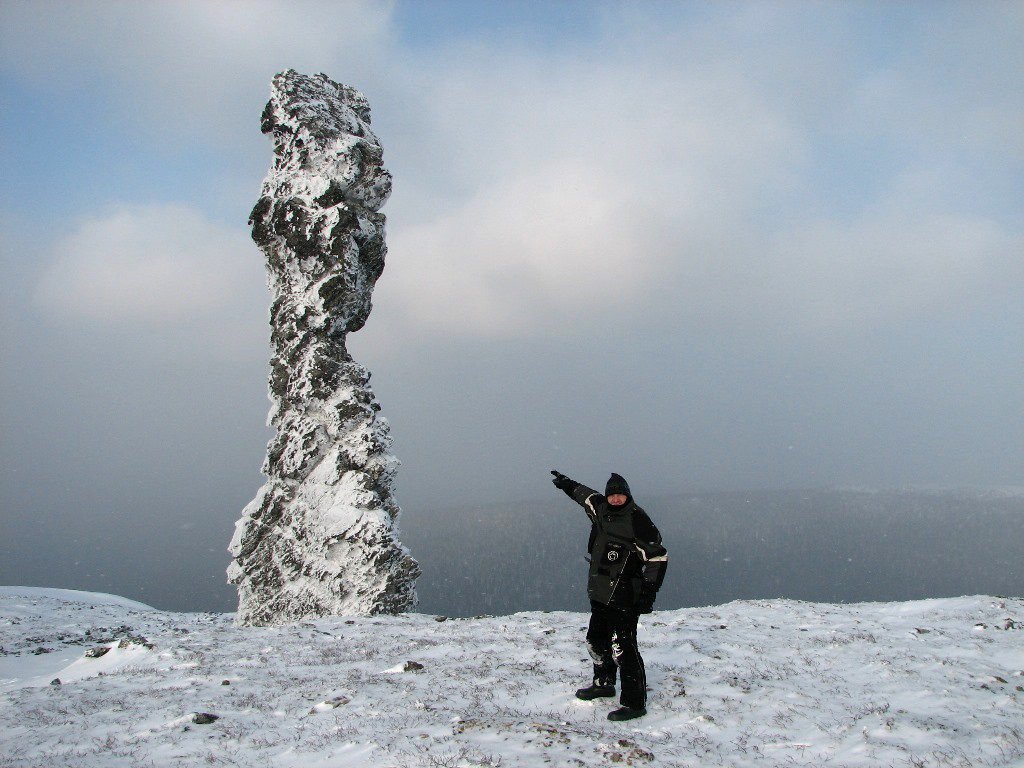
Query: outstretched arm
[[578, 492]]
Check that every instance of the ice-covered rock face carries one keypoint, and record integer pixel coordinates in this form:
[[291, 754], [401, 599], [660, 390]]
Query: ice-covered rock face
[[321, 537]]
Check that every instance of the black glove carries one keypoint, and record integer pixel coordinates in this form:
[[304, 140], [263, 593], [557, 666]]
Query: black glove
[[562, 482], [645, 602]]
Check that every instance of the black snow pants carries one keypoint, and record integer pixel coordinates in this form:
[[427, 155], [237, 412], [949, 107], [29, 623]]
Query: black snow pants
[[611, 640]]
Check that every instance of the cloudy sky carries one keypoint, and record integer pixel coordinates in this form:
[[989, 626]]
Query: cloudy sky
[[705, 245]]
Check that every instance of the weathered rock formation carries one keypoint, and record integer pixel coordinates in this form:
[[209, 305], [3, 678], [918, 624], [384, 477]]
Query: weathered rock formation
[[320, 538]]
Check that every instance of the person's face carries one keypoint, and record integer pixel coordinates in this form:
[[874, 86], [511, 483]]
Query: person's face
[[618, 499]]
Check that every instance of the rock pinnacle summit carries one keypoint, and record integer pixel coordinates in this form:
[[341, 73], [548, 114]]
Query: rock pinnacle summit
[[320, 537]]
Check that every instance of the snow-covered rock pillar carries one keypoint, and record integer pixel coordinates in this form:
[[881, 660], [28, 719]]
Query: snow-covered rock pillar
[[321, 538]]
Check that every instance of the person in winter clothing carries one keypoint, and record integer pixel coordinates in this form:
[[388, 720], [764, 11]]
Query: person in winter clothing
[[627, 567]]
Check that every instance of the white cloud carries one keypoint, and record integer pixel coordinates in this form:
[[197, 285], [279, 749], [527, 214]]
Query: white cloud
[[667, 164], [579, 186], [558, 243], [699, 201], [150, 266], [191, 68]]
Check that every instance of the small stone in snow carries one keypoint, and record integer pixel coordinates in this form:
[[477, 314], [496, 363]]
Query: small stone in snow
[[225, 682], [55, 681], [95, 653], [204, 718], [323, 706], [412, 666], [440, 618]]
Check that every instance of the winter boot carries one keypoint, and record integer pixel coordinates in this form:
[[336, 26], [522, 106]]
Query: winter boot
[[596, 692], [626, 713]]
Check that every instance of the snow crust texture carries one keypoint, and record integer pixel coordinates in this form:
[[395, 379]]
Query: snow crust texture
[[321, 536], [931, 684]]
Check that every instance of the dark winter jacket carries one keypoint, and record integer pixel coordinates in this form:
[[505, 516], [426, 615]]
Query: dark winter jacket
[[627, 559]]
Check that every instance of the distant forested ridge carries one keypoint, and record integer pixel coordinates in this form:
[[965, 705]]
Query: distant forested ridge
[[832, 546]]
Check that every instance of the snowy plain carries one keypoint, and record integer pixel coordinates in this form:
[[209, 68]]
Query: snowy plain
[[750, 683]]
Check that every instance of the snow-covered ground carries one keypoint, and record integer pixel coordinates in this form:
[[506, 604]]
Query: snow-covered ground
[[763, 683]]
